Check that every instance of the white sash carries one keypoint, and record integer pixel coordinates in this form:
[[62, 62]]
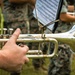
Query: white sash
[[46, 11]]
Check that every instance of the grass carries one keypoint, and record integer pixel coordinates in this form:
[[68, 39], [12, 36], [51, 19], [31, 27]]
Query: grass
[[28, 69]]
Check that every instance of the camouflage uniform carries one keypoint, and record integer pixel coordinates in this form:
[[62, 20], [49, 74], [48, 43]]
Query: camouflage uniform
[[16, 16], [61, 63], [19, 16]]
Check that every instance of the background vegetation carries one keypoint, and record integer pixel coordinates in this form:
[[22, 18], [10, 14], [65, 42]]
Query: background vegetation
[[28, 69]]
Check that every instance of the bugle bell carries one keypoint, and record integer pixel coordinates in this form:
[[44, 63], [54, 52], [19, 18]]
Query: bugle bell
[[66, 37]]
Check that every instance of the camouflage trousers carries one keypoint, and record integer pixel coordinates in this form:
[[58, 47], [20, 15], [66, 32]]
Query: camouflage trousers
[[61, 63]]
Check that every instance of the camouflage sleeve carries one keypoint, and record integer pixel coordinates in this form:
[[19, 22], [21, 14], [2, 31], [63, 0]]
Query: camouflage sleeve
[[64, 7]]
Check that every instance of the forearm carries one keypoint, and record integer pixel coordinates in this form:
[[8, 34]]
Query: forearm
[[2, 59], [18, 1], [67, 17], [22, 1]]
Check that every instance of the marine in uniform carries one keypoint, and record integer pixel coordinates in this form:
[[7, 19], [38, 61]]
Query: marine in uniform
[[21, 16], [60, 64]]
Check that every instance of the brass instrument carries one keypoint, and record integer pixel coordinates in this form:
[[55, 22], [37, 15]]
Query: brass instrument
[[67, 38], [27, 39]]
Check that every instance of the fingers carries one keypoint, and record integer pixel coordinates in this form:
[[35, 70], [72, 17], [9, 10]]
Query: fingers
[[25, 48], [26, 59], [15, 35]]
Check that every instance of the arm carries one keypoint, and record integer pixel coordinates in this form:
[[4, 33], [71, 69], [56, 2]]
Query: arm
[[67, 17], [22, 1], [12, 56]]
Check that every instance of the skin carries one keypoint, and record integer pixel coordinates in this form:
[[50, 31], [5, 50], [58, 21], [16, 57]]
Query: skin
[[12, 56], [22, 1], [67, 17]]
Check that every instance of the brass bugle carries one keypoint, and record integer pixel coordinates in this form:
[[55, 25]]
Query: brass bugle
[[66, 37], [34, 52], [40, 55]]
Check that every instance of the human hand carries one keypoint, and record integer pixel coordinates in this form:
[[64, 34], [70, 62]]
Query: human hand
[[13, 56]]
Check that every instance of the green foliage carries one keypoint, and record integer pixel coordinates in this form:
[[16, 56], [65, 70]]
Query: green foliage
[[28, 69]]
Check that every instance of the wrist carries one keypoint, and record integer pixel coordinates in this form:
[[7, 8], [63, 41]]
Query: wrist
[[1, 58], [3, 61]]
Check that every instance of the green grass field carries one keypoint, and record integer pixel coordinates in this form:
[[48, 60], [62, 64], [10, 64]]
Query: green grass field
[[28, 69]]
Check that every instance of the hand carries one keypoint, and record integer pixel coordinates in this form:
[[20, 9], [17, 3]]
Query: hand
[[13, 56]]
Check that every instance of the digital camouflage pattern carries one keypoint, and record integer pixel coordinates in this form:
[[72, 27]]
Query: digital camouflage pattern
[[61, 63], [18, 16]]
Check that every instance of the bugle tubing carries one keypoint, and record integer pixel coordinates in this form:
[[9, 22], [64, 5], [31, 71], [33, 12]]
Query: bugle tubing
[[28, 40], [61, 37], [66, 37]]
